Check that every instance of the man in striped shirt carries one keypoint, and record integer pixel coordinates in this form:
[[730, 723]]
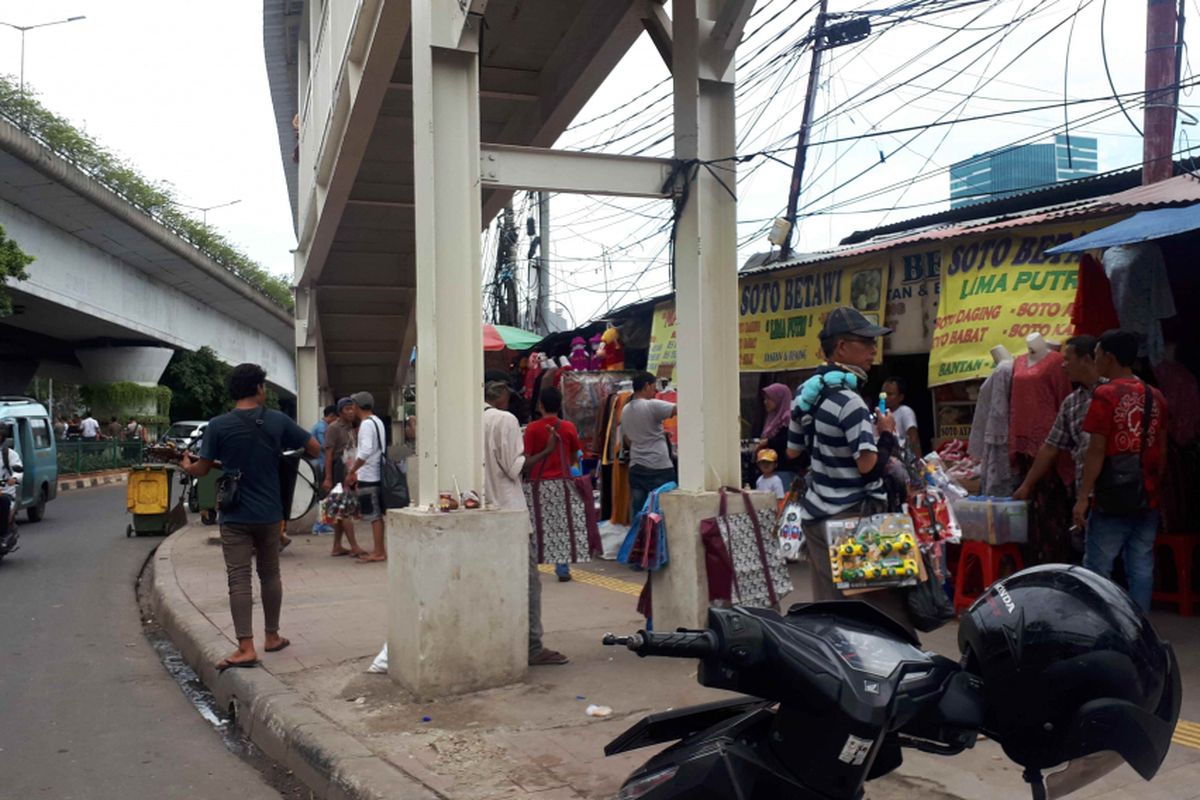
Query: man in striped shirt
[[849, 451]]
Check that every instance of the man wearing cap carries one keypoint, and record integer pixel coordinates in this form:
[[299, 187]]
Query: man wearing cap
[[341, 444], [849, 453], [364, 474]]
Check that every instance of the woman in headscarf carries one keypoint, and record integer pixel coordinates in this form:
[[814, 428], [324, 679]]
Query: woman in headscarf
[[777, 403]]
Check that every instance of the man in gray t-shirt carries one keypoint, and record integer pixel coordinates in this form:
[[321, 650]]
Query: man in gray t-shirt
[[642, 433]]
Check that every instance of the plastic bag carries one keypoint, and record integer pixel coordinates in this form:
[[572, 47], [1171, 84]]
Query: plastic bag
[[380, 664]]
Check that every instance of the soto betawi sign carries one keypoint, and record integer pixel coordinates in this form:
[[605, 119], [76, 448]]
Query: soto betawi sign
[[998, 288], [781, 314]]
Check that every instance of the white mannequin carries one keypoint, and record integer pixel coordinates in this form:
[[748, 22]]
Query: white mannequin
[[1000, 354], [1037, 347]]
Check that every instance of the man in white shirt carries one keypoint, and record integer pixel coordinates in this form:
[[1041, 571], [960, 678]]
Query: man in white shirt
[[10, 491], [504, 465], [906, 419], [89, 428], [365, 475]]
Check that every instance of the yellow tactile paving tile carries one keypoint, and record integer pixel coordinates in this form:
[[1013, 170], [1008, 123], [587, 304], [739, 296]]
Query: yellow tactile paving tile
[[592, 579]]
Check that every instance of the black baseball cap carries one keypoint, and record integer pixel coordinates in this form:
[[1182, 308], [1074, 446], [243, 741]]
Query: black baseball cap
[[850, 321]]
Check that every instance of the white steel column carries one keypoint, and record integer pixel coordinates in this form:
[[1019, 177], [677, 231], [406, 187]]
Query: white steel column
[[308, 408], [706, 286], [448, 209]]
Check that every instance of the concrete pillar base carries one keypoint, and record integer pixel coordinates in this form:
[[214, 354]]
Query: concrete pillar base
[[458, 594], [680, 590]]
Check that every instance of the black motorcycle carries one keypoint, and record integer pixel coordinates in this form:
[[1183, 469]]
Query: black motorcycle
[[830, 694], [8, 522]]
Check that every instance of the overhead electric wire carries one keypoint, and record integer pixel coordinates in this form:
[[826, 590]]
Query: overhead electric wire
[[1107, 71]]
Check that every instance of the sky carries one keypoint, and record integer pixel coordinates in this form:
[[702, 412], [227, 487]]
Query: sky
[[180, 90]]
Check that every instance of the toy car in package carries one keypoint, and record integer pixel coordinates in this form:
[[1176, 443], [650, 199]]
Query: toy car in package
[[874, 552], [933, 517]]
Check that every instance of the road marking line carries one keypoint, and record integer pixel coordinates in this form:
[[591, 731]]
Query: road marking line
[[594, 579]]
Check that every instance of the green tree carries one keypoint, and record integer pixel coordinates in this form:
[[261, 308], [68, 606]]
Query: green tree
[[199, 383], [13, 261]]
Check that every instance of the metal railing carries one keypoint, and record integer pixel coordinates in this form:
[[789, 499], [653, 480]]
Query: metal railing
[[75, 457]]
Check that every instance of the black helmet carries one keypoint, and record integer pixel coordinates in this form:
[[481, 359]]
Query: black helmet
[[1071, 667]]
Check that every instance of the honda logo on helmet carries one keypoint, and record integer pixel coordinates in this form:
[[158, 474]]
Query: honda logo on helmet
[[1004, 598]]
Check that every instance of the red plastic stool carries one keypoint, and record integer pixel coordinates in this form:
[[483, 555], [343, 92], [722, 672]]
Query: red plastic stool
[[982, 560], [1183, 551]]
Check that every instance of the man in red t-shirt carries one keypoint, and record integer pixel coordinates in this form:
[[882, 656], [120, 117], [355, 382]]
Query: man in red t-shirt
[[537, 435], [1116, 420]]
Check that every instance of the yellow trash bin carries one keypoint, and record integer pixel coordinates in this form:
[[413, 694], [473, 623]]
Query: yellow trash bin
[[148, 491]]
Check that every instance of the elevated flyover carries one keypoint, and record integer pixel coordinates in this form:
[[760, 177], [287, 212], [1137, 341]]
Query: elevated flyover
[[113, 291]]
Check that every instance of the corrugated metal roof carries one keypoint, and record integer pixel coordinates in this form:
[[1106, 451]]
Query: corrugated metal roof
[[1180, 190]]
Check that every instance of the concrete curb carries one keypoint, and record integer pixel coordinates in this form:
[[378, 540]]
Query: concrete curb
[[88, 481], [333, 764]]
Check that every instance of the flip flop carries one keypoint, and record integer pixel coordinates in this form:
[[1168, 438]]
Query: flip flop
[[342, 553], [279, 646], [370, 560], [225, 664]]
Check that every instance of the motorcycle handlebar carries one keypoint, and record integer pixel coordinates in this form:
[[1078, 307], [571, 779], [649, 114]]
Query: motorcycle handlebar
[[680, 644]]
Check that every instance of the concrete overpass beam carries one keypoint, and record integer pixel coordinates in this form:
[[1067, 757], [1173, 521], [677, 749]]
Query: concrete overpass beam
[[141, 365]]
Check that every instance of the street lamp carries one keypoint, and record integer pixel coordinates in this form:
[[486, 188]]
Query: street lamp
[[24, 28], [205, 209]]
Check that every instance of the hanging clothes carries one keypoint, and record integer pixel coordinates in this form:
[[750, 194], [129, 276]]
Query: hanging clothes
[[989, 432], [599, 447], [1182, 394], [1141, 293], [619, 493], [1037, 392], [1093, 311]]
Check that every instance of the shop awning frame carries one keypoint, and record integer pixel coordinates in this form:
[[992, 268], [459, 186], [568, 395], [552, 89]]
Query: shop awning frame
[[1141, 227]]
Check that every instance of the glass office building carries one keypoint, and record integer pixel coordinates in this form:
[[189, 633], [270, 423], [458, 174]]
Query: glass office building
[[1001, 173]]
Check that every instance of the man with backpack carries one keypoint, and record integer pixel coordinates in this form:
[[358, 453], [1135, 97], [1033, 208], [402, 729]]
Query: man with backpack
[[248, 442], [366, 474], [1123, 468]]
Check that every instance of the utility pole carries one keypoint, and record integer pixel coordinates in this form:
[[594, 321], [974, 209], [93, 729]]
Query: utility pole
[[542, 314], [1162, 58], [810, 100]]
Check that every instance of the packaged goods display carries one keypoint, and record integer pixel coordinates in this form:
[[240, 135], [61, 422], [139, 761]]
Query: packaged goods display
[[874, 552]]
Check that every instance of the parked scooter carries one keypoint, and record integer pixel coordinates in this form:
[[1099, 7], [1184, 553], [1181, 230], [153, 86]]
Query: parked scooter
[[1058, 666]]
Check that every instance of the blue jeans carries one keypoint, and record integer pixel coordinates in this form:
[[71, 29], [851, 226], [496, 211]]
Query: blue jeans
[[643, 481], [1132, 538]]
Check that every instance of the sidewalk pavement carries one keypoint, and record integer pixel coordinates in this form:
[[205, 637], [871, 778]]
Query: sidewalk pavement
[[350, 734]]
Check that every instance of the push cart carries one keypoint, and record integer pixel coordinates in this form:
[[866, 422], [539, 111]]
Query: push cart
[[148, 499]]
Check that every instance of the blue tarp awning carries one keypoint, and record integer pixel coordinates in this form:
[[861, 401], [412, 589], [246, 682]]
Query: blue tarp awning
[[1141, 227]]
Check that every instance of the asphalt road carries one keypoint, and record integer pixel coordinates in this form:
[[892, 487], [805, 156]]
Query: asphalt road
[[86, 708]]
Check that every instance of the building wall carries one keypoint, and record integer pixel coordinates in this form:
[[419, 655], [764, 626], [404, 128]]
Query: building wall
[[1002, 173]]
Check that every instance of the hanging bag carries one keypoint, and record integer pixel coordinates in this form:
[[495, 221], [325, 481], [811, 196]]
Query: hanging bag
[[742, 556], [1121, 487], [393, 483], [645, 546], [565, 528]]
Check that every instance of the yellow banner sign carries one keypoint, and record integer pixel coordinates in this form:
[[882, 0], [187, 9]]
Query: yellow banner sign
[[998, 289], [781, 315], [662, 339]]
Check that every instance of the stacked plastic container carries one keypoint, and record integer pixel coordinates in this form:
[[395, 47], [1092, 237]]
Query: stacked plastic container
[[995, 520]]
